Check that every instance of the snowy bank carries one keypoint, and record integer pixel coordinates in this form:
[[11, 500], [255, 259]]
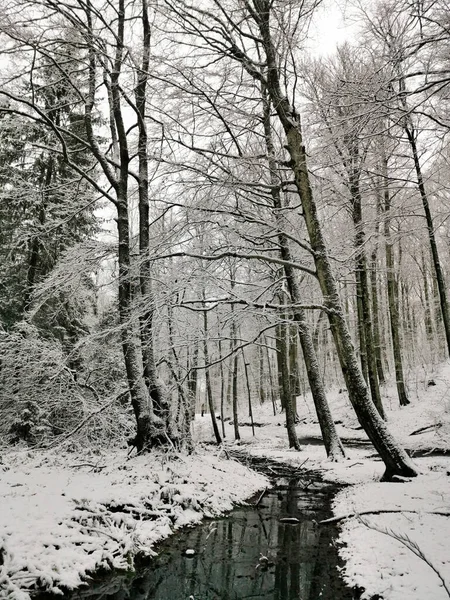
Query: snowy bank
[[63, 517], [396, 546], [397, 541]]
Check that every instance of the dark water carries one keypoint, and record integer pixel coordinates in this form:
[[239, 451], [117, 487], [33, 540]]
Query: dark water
[[228, 563]]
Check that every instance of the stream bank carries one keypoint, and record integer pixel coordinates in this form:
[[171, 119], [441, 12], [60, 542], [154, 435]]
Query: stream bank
[[271, 549]]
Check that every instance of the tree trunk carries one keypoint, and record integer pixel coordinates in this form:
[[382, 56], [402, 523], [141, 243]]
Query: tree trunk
[[234, 373], [272, 384], [392, 289], [237, 435], [410, 131], [160, 404], [222, 390], [262, 383], [150, 429], [376, 316], [293, 366], [368, 360], [396, 460], [432, 239], [285, 387], [330, 437], [427, 306], [249, 394], [209, 393]]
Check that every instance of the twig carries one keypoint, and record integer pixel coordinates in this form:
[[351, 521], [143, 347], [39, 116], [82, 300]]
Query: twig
[[88, 465], [412, 546], [261, 497], [300, 466], [94, 413], [425, 429]]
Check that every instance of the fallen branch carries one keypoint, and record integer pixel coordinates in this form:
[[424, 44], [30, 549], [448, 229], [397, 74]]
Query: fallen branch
[[413, 547], [98, 467], [381, 512], [300, 466], [261, 497], [427, 428]]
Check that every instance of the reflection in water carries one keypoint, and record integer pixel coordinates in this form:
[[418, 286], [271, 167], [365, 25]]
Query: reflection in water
[[248, 555]]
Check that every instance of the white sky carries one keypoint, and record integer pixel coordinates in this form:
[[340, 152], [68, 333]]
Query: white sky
[[330, 27]]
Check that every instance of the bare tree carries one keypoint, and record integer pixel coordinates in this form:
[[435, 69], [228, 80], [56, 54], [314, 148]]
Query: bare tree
[[252, 34], [83, 39]]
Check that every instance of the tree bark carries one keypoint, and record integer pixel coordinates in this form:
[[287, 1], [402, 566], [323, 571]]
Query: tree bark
[[376, 317], [368, 360], [330, 437], [410, 132], [209, 393], [285, 387], [160, 404], [249, 393], [149, 428], [396, 460], [235, 365], [392, 289]]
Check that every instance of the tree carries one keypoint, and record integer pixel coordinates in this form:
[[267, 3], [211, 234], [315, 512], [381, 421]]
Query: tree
[[350, 130], [95, 42], [223, 30], [44, 205], [330, 437], [406, 35]]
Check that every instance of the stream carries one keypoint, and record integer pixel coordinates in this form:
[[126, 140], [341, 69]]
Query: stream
[[252, 553]]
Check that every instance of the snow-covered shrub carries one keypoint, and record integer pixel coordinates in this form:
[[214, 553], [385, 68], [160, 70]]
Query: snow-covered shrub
[[41, 398]]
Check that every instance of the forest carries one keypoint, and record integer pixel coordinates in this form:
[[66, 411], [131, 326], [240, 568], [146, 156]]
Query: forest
[[224, 239]]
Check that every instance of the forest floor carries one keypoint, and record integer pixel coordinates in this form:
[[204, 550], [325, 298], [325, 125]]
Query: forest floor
[[66, 514], [394, 537]]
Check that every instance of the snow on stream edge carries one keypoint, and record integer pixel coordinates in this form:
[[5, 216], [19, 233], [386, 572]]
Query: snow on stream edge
[[56, 525]]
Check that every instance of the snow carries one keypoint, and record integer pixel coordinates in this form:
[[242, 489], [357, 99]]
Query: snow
[[63, 515], [60, 521], [380, 563], [375, 561], [403, 554]]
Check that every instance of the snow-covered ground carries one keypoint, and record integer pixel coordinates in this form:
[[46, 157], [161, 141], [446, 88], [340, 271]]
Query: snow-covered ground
[[404, 552], [66, 514], [63, 516]]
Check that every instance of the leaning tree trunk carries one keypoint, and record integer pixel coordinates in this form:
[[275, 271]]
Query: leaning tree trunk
[[330, 436], [410, 131], [396, 460], [432, 239]]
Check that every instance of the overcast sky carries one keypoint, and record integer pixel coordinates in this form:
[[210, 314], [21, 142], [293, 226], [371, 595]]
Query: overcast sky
[[330, 26]]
